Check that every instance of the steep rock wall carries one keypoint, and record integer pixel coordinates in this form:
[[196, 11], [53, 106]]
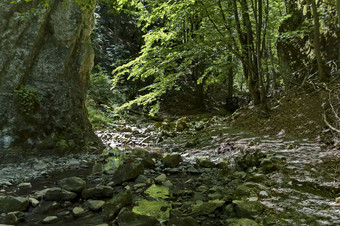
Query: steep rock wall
[[45, 61]]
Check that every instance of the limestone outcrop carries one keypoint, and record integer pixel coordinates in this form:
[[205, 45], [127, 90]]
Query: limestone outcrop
[[45, 61]]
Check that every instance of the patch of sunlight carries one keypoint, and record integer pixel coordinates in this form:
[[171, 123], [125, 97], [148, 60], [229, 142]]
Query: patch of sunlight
[[157, 192], [158, 209], [112, 163]]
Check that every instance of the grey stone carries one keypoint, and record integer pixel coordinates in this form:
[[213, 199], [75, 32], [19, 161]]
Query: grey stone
[[181, 124], [78, 211], [243, 192], [168, 184], [127, 172], [11, 218], [148, 163], [205, 162], [58, 194], [140, 185], [114, 205], [50, 220], [161, 178], [248, 209], [263, 194], [205, 208], [24, 185], [97, 192], [142, 179], [128, 218], [269, 165], [199, 126], [34, 202], [172, 160], [75, 184], [95, 205], [11, 204]]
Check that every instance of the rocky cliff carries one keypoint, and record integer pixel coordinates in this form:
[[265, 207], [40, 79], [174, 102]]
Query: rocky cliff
[[45, 61]]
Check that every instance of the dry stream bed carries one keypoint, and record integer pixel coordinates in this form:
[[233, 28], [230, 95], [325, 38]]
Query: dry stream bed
[[212, 175]]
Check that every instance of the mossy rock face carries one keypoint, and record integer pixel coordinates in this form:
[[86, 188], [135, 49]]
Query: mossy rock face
[[45, 78]]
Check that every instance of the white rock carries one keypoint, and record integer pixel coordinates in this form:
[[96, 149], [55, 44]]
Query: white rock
[[25, 185], [34, 202], [263, 194], [50, 219], [78, 211]]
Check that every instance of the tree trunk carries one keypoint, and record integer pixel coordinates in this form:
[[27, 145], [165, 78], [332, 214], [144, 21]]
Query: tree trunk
[[231, 105], [323, 76], [338, 10], [45, 62]]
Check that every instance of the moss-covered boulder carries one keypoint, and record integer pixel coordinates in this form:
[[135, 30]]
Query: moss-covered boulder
[[172, 160], [11, 204]]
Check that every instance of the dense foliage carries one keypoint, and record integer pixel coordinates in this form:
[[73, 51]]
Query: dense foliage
[[266, 44]]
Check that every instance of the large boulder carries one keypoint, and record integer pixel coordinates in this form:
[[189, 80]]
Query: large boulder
[[45, 61], [11, 204], [248, 209], [127, 172], [97, 192], [58, 194], [112, 207], [75, 184], [172, 160]]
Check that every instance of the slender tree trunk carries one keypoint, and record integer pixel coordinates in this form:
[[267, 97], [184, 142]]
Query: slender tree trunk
[[230, 104], [338, 10], [323, 76]]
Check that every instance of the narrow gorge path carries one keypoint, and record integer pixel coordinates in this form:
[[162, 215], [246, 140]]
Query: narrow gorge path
[[227, 177], [306, 184]]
